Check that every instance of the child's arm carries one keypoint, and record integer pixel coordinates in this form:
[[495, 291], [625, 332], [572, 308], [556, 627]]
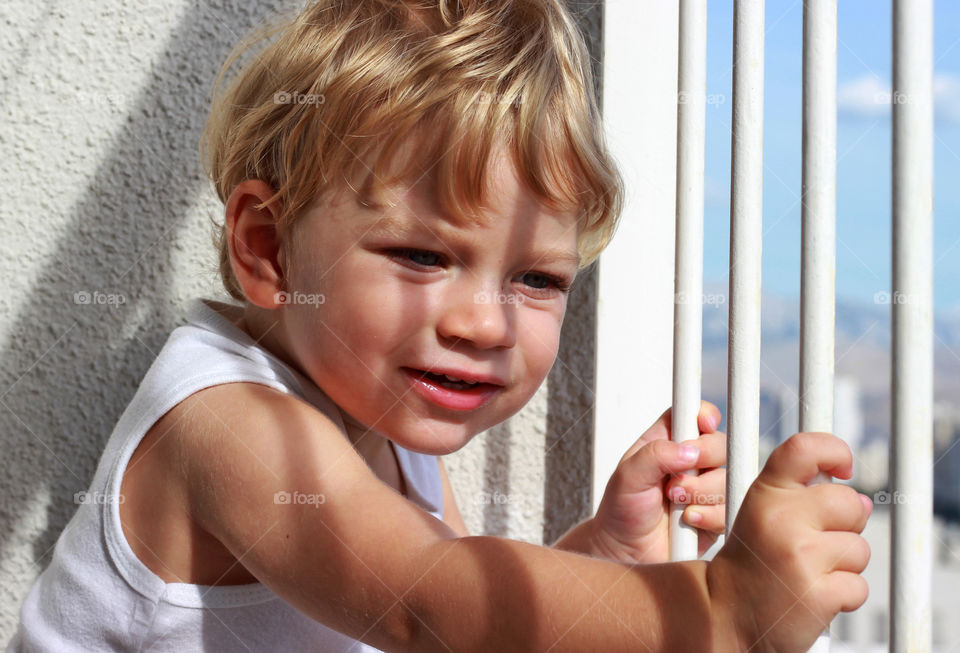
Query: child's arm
[[360, 558], [631, 524], [369, 563]]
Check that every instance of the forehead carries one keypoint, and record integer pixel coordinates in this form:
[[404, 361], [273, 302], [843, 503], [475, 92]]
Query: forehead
[[510, 212]]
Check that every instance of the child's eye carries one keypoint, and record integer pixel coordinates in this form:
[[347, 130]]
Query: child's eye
[[543, 282], [538, 284], [417, 256]]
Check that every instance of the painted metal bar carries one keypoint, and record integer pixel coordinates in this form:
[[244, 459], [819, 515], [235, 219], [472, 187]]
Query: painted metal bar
[[746, 231], [911, 455], [688, 279], [818, 218]]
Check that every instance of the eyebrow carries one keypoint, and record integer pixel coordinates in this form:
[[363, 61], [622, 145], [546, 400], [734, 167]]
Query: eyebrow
[[389, 225], [559, 256], [399, 227]]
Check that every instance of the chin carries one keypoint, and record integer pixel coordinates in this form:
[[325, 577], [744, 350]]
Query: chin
[[444, 443]]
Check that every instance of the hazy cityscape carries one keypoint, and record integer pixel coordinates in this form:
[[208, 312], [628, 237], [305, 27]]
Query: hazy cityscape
[[862, 419], [862, 386]]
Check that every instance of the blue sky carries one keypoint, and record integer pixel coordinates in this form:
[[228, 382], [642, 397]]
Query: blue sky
[[863, 148]]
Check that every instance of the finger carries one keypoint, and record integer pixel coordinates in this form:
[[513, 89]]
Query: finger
[[659, 430], [713, 450], [647, 467], [842, 551], [839, 507], [707, 518], [708, 418], [843, 591], [795, 462], [709, 488]]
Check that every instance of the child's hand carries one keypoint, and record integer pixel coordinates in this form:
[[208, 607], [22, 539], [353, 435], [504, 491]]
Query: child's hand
[[793, 557], [632, 522]]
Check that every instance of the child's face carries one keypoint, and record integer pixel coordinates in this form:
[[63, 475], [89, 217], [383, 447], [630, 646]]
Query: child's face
[[388, 293]]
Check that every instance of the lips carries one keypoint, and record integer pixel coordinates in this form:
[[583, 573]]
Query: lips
[[454, 389], [453, 374]]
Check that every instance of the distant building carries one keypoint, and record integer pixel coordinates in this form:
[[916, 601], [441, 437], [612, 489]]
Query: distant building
[[769, 420], [946, 462], [867, 630], [847, 412], [871, 466], [946, 422], [789, 411]]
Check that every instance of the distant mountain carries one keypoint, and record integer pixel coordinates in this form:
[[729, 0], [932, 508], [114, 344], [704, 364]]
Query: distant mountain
[[862, 351]]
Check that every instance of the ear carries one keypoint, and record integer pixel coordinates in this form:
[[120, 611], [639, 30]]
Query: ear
[[256, 255]]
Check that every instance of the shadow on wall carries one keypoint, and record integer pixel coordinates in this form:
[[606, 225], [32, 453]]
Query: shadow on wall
[[71, 364], [568, 454]]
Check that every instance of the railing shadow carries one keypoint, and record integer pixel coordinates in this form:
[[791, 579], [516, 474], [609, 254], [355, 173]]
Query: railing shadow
[[100, 311]]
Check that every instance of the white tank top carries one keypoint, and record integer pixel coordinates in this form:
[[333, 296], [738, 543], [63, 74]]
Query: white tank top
[[96, 595]]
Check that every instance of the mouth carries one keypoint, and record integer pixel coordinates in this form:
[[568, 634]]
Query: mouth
[[459, 391]]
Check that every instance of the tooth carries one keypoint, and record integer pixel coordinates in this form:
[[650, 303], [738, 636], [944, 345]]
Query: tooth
[[452, 378]]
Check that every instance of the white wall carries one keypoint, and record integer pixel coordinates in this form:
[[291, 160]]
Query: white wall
[[102, 106], [635, 294]]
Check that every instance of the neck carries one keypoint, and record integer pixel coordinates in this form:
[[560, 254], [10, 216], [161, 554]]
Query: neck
[[368, 443], [266, 328]]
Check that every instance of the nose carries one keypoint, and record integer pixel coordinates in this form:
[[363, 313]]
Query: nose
[[486, 319]]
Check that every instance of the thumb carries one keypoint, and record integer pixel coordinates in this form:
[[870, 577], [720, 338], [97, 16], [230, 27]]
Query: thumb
[[803, 457], [646, 468]]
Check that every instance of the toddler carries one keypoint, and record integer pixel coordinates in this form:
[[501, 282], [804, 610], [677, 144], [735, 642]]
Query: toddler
[[410, 190]]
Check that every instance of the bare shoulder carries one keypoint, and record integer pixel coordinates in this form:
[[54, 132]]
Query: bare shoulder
[[253, 429], [267, 444], [280, 486]]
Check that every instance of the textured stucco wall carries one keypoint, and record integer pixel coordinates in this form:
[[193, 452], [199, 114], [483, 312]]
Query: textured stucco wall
[[102, 106]]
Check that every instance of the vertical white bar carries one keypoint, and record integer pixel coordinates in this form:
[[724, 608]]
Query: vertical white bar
[[688, 279], [818, 215], [640, 119], [746, 231], [911, 456]]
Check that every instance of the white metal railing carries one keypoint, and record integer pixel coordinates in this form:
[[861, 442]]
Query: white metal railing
[[911, 459], [911, 456], [818, 220], [688, 285], [746, 231]]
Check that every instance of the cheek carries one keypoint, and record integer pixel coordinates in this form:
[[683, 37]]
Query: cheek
[[365, 310], [539, 338]]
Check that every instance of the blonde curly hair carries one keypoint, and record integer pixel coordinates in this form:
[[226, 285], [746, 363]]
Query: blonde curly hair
[[336, 91]]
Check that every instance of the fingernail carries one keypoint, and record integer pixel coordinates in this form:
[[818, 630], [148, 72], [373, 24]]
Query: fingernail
[[677, 494], [688, 454], [694, 517]]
